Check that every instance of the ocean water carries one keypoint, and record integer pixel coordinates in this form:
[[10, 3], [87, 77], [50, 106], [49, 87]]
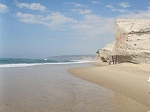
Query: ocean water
[[63, 59]]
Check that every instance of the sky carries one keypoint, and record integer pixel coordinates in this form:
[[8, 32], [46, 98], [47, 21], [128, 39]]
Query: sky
[[43, 28]]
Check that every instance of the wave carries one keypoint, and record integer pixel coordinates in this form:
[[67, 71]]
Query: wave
[[65, 59], [39, 64]]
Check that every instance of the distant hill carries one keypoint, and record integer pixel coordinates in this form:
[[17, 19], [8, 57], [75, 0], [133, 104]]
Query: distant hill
[[72, 57]]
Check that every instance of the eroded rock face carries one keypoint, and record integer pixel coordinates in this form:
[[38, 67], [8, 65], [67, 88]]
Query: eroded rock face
[[105, 52], [132, 41]]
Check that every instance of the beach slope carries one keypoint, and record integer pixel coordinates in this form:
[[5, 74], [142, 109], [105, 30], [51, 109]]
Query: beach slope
[[127, 79]]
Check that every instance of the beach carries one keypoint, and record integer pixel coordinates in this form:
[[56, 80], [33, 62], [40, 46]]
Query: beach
[[126, 79], [51, 88]]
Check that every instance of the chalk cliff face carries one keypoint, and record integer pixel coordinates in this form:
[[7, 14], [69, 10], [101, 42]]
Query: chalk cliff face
[[132, 40], [104, 53]]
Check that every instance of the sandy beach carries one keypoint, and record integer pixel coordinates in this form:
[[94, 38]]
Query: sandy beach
[[127, 79], [50, 88]]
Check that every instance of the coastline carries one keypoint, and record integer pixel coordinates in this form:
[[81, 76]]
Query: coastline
[[43, 88], [127, 79], [50, 88]]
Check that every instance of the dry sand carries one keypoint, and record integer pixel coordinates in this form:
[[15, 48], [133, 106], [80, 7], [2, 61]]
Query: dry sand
[[127, 79]]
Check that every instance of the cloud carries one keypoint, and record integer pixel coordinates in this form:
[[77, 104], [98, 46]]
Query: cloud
[[29, 18], [94, 25], [141, 14], [91, 26], [53, 20], [81, 11], [96, 2], [112, 8], [56, 19], [124, 4], [32, 6], [3, 8], [119, 10], [75, 4]]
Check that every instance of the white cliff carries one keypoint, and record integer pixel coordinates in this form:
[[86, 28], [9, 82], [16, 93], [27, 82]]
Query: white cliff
[[132, 40], [104, 53]]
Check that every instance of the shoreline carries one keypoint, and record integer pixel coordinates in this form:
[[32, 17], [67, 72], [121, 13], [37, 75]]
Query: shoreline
[[127, 79], [50, 88], [43, 88]]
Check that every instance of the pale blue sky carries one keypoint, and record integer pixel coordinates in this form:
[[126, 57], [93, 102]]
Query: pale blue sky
[[42, 28]]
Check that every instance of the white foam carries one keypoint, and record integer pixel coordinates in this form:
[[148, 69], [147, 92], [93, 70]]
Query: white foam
[[81, 61], [17, 65], [37, 64]]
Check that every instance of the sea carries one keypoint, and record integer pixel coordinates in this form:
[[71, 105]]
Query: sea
[[62, 59]]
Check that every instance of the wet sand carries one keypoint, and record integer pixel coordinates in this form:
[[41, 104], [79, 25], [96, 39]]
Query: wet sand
[[127, 79], [50, 88]]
